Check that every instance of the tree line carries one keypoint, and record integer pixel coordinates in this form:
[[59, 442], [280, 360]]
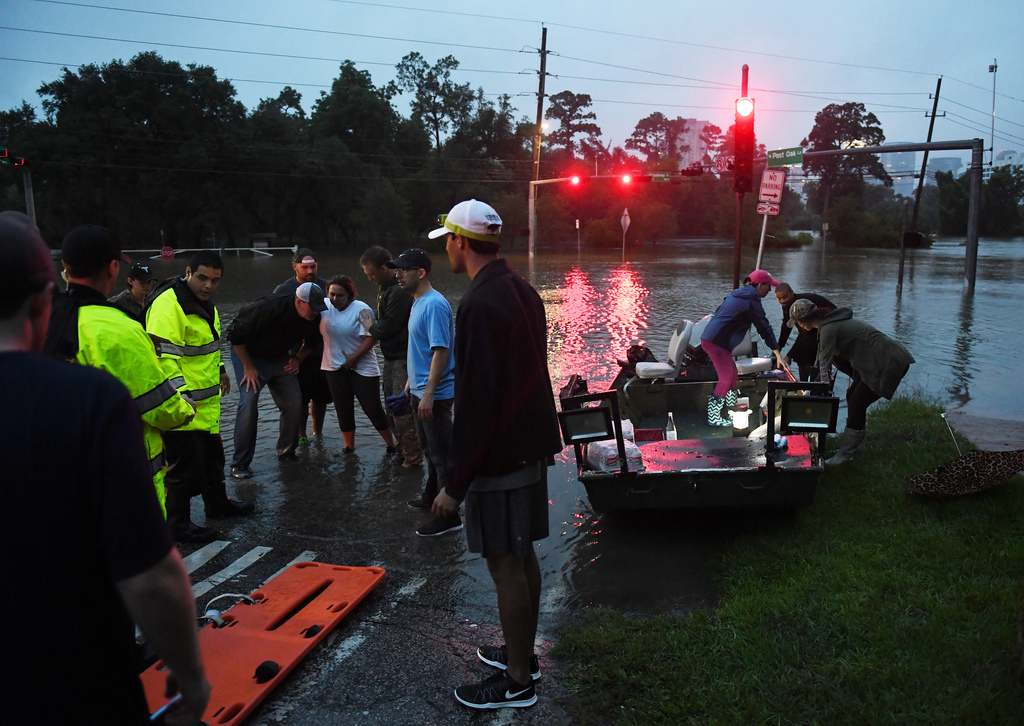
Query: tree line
[[166, 154]]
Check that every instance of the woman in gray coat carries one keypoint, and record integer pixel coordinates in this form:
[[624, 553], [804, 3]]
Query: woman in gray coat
[[878, 363]]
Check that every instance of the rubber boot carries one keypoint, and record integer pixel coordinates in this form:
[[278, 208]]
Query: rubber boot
[[218, 505], [732, 397], [715, 411], [180, 520], [849, 441]]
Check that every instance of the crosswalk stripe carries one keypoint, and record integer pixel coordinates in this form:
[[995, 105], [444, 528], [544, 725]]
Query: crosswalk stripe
[[200, 557], [307, 556], [249, 558]]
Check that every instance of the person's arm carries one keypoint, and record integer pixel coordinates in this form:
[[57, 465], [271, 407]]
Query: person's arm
[[160, 601], [394, 315], [765, 329], [250, 374], [826, 352], [363, 349], [437, 365]]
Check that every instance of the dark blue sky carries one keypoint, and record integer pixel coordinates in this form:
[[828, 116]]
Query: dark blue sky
[[680, 58]]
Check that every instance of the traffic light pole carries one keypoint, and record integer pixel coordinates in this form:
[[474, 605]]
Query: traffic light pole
[[30, 200], [739, 195]]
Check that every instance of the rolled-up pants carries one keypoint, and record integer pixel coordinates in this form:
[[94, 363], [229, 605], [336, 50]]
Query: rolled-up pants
[[284, 388]]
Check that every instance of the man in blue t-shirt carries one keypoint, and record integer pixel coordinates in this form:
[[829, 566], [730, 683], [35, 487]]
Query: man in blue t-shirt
[[431, 379]]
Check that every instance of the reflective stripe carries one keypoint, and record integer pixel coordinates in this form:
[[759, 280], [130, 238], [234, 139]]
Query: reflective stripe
[[191, 351], [156, 464], [169, 348], [203, 393], [178, 382], [153, 399]]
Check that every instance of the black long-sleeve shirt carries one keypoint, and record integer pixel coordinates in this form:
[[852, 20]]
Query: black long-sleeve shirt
[[392, 327]]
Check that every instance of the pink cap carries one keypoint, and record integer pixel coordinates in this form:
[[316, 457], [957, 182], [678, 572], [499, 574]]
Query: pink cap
[[759, 276]]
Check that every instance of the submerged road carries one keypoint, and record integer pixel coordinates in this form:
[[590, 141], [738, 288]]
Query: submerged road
[[397, 657]]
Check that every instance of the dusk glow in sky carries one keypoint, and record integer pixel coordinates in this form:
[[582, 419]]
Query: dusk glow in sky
[[679, 58]]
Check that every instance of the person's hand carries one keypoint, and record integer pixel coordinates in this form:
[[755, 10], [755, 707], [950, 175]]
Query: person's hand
[[195, 696], [225, 383], [425, 410], [250, 376], [187, 399], [444, 505], [778, 357], [292, 366], [349, 364], [366, 318]]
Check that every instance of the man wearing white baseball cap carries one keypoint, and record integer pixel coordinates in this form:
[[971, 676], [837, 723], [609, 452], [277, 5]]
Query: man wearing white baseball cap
[[504, 435]]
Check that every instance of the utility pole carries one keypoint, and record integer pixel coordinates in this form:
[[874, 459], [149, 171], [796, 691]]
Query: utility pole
[[924, 168], [532, 211], [30, 200], [992, 136], [739, 202], [540, 102]]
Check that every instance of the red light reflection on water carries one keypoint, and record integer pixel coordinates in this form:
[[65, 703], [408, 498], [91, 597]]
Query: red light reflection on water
[[593, 321]]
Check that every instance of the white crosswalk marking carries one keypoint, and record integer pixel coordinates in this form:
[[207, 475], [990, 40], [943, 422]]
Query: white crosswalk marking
[[307, 556], [250, 558], [200, 557]]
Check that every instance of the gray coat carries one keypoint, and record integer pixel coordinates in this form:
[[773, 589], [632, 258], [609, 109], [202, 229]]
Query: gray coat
[[877, 359]]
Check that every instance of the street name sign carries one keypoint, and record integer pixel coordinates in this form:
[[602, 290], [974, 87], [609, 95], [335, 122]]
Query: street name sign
[[768, 209], [773, 181], [786, 157]]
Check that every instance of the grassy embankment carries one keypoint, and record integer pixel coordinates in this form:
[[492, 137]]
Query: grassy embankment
[[866, 607]]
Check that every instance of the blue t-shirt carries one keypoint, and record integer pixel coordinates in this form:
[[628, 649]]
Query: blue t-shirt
[[431, 325]]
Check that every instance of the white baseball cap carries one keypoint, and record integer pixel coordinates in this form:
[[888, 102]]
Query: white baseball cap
[[472, 219], [310, 292]]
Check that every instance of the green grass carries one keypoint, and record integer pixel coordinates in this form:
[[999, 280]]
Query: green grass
[[867, 607]]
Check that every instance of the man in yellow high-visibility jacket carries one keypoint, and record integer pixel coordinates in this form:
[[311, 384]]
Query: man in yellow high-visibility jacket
[[183, 318], [86, 329]]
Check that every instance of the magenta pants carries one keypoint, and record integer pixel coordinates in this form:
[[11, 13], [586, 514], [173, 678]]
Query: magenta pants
[[725, 367]]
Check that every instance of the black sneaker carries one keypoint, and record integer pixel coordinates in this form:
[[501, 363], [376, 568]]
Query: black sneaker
[[498, 658], [498, 691], [418, 503], [241, 472], [437, 526]]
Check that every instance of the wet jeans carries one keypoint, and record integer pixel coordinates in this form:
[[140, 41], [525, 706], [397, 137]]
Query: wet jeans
[[435, 437], [394, 374], [284, 388]]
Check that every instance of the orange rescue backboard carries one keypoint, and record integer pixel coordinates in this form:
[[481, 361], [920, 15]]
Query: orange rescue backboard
[[292, 613]]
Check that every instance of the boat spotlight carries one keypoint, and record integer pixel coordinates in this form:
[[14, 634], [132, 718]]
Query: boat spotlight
[[741, 417]]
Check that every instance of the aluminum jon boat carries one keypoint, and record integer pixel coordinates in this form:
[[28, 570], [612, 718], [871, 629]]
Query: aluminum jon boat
[[646, 443]]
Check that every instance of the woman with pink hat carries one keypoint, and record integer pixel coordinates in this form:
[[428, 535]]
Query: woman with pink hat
[[740, 309]]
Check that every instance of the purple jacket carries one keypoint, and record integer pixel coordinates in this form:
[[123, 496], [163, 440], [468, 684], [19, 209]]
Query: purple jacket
[[740, 309]]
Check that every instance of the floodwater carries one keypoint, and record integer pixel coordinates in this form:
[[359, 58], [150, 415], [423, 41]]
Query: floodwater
[[967, 351]]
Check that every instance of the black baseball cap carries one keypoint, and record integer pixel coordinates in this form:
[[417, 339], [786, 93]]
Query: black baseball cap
[[302, 253], [141, 272], [411, 259], [89, 247]]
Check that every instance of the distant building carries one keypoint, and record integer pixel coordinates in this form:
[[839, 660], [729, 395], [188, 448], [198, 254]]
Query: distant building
[[1008, 157], [692, 140], [952, 164], [902, 167]]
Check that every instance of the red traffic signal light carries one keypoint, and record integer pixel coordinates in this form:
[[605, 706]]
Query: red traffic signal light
[[627, 179], [575, 179], [743, 137]]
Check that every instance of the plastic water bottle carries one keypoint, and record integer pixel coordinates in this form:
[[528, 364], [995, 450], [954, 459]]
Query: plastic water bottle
[[670, 430]]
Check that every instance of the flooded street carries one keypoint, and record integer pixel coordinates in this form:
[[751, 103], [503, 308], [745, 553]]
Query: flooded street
[[414, 638]]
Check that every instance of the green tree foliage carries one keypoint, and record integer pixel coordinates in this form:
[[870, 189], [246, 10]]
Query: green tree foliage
[[657, 138], [571, 111], [1001, 197], [439, 103]]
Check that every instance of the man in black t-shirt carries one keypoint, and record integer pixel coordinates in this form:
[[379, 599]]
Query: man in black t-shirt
[[86, 548], [805, 347], [263, 336]]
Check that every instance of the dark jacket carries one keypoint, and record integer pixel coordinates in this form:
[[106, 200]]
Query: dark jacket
[[805, 347], [392, 326], [270, 327], [504, 410], [291, 285], [877, 359], [734, 316]]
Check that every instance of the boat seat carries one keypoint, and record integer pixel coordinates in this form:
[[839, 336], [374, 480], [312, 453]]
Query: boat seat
[[676, 349], [746, 363]]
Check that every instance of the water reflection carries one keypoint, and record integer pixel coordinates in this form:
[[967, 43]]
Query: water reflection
[[960, 389]]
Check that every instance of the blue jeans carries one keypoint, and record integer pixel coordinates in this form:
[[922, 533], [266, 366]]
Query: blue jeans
[[435, 438], [284, 388]]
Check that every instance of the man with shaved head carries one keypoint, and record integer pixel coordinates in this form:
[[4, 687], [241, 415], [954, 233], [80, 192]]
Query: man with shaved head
[[805, 348], [82, 521]]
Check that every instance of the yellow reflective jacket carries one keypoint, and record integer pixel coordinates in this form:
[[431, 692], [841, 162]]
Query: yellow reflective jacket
[[109, 339], [189, 350]]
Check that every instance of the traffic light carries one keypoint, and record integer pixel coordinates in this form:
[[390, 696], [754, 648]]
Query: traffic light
[[17, 161], [743, 169], [631, 179]]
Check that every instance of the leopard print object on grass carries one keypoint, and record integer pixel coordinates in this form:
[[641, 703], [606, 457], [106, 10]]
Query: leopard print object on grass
[[973, 472]]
